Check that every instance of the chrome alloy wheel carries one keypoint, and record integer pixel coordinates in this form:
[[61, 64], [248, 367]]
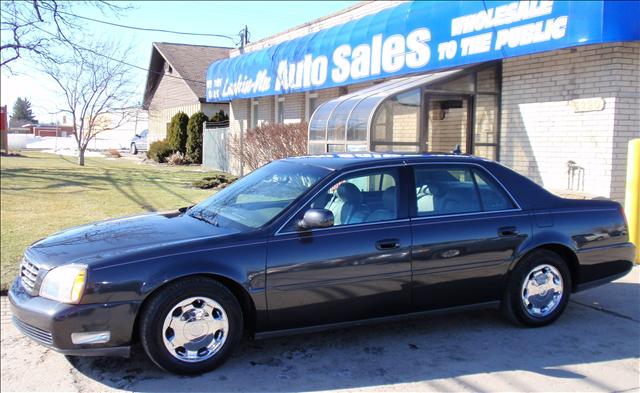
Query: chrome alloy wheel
[[195, 329], [542, 290]]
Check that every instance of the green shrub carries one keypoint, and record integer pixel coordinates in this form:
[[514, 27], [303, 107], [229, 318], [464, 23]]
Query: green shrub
[[194, 137], [214, 182], [219, 116], [159, 151], [177, 133]]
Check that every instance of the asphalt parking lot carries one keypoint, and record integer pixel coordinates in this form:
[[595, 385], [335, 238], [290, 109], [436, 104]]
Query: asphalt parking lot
[[594, 346]]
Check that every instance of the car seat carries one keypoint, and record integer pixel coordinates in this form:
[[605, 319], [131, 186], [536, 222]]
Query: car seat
[[389, 210], [457, 200], [347, 206]]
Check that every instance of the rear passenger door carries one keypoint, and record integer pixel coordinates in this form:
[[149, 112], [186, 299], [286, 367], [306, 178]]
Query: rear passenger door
[[466, 228]]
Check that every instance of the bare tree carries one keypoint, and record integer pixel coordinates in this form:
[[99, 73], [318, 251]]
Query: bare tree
[[269, 142], [36, 26], [96, 88]]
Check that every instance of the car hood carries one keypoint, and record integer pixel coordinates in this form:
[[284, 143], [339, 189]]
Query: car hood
[[105, 240]]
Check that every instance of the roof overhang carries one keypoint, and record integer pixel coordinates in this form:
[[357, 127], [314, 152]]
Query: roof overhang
[[420, 37]]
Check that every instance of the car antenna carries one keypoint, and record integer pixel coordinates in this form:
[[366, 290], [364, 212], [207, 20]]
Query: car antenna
[[457, 150]]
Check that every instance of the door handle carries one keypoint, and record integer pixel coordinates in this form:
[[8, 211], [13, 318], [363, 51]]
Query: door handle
[[387, 244], [507, 231]]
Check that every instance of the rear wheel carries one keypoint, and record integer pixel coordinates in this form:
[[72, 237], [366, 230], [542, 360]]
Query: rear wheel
[[538, 289], [191, 326]]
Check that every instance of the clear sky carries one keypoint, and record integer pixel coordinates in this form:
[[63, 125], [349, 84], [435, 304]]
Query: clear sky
[[263, 18]]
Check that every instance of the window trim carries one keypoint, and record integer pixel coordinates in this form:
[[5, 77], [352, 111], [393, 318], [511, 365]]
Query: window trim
[[413, 202], [403, 208]]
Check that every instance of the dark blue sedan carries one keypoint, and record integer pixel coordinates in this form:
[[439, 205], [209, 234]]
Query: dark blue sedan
[[317, 242]]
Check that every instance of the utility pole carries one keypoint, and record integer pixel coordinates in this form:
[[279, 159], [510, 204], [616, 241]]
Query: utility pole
[[244, 37]]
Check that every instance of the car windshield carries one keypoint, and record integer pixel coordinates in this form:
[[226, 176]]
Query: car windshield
[[257, 198]]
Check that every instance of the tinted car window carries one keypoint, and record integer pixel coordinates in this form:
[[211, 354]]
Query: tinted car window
[[370, 196], [452, 190], [442, 190], [492, 196]]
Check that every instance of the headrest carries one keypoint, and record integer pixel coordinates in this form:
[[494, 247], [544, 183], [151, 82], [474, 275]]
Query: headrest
[[348, 192]]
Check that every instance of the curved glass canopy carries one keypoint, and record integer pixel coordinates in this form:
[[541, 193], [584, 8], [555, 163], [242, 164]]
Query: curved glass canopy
[[345, 123]]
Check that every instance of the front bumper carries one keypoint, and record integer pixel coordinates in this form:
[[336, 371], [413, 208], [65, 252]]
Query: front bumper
[[51, 323]]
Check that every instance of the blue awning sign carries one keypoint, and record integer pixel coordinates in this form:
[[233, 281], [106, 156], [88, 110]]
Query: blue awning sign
[[418, 37]]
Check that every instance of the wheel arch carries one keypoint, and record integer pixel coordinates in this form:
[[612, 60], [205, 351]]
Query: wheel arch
[[563, 250], [244, 299]]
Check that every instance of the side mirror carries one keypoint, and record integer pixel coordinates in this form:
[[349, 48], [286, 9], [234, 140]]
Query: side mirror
[[316, 218]]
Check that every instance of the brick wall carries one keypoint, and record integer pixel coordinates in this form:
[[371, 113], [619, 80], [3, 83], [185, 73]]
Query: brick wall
[[542, 130]]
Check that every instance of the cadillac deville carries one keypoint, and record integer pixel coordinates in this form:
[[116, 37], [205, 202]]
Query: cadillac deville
[[310, 243]]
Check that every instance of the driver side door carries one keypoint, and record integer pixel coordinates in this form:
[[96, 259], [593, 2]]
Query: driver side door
[[358, 268]]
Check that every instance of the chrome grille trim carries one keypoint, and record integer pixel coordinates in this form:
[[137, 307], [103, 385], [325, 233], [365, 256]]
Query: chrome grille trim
[[29, 275], [33, 332]]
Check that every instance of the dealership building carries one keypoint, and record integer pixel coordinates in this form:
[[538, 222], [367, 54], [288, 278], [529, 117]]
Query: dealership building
[[549, 89]]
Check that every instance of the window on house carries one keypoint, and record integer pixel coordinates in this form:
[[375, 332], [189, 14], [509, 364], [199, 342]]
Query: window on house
[[312, 104], [254, 113], [280, 112]]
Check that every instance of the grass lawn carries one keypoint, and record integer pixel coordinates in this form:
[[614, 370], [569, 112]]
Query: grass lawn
[[43, 193]]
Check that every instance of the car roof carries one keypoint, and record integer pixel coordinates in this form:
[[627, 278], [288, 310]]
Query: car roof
[[338, 161]]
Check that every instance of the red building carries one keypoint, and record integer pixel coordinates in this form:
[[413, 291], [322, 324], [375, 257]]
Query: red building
[[49, 130]]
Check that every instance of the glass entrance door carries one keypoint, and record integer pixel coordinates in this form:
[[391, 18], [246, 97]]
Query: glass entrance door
[[448, 123]]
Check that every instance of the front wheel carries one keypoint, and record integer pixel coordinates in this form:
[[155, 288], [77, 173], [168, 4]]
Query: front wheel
[[538, 289], [134, 149], [191, 326]]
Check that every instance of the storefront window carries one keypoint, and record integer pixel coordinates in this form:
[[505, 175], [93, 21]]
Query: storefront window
[[396, 148], [486, 152], [318, 125], [337, 122], [335, 148], [486, 126], [317, 148], [313, 104], [254, 113], [280, 114], [448, 123], [398, 119], [486, 119], [414, 114]]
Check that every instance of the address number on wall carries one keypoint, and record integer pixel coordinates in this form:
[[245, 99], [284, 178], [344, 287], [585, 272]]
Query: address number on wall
[[587, 104]]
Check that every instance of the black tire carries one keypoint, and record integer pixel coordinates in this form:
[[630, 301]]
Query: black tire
[[513, 307], [134, 149], [153, 315]]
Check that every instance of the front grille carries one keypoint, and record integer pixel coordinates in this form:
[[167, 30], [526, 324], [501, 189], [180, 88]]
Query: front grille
[[29, 275], [33, 332]]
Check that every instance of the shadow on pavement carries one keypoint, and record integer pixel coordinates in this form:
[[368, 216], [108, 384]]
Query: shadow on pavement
[[430, 349]]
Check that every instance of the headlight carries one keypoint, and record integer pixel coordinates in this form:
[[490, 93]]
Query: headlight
[[64, 283]]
